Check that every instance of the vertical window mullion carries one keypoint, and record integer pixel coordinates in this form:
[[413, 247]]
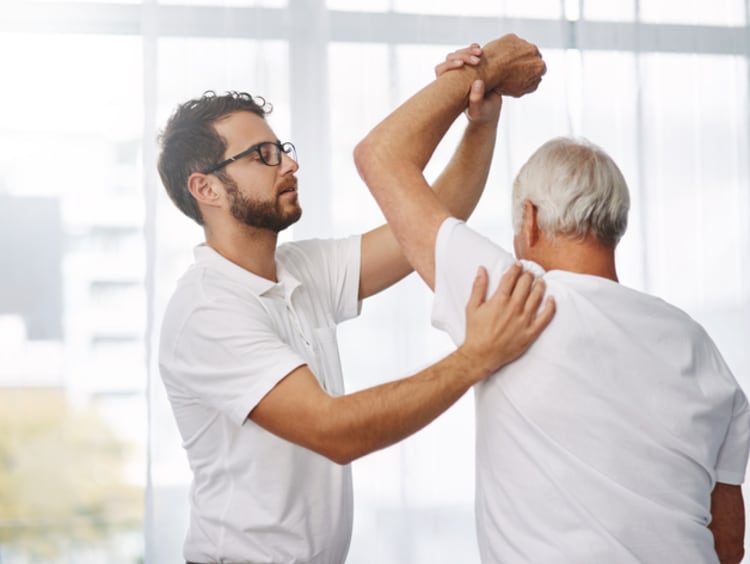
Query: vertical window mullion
[[308, 70]]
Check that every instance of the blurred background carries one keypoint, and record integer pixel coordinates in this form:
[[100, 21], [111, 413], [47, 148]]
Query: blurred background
[[91, 466]]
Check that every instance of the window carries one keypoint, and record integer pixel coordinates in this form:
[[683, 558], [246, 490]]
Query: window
[[72, 315], [92, 247]]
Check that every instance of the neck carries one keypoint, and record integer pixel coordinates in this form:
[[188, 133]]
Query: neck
[[583, 256], [251, 248]]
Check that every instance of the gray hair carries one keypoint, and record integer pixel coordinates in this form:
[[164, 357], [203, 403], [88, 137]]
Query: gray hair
[[576, 188]]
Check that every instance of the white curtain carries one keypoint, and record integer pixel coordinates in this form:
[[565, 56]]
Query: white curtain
[[661, 85]]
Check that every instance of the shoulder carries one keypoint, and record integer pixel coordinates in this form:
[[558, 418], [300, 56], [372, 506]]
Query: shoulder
[[203, 288], [313, 255], [674, 334], [206, 301], [460, 250], [456, 236], [673, 318], [305, 248]]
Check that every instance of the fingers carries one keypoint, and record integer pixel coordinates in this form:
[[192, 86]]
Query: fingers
[[536, 77], [532, 297], [524, 294], [503, 327], [546, 315], [467, 56], [535, 297], [523, 289], [478, 289], [448, 65], [509, 279]]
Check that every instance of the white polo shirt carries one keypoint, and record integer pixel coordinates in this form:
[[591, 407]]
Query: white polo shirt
[[228, 338], [604, 441]]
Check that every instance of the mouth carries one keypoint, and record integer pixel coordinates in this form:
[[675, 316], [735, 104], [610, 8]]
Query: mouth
[[289, 190]]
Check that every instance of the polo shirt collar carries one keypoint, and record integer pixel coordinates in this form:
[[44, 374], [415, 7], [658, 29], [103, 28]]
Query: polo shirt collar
[[207, 257]]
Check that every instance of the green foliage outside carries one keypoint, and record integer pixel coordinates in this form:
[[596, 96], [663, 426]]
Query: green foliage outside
[[61, 476]]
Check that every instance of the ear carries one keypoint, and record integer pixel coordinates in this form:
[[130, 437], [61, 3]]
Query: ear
[[203, 188], [530, 226]]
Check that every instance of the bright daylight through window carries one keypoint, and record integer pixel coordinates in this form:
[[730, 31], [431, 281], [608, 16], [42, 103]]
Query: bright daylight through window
[[91, 464]]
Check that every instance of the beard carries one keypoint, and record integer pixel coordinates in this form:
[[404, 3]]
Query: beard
[[263, 215]]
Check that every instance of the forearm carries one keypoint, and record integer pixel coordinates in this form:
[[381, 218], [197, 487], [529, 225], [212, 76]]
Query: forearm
[[458, 189], [411, 133], [728, 522], [391, 159], [498, 330], [375, 418], [461, 184]]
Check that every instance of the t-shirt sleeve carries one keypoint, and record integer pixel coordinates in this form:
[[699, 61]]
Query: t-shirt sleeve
[[459, 252], [229, 355], [732, 458]]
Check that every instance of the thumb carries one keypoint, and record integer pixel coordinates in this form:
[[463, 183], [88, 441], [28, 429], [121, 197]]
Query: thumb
[[476, 95], [477, 91]]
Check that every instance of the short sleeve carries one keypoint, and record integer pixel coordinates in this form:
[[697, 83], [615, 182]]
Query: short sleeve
[[229, 355], [459, 252], [732, 458]]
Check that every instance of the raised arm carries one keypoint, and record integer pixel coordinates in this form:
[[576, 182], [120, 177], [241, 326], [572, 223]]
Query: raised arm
[[458, 187], [393, 155]]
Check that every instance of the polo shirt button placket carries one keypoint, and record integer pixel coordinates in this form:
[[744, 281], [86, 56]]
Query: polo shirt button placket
[[297, 324]]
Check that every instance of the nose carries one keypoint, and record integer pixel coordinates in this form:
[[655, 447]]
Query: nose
[[288, 164]]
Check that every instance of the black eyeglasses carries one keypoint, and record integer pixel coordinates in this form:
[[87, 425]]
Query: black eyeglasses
[[268, 151]]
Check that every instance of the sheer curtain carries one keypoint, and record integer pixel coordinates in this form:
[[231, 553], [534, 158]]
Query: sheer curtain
[[662, 85], [676, 120]]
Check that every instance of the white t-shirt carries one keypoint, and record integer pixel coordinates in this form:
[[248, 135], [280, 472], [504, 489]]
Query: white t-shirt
[[228, 338], [604, 441]]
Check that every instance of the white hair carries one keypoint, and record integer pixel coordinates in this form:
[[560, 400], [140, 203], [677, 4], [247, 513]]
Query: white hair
[[576, 188]]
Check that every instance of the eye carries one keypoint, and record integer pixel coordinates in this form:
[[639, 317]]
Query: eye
[[253, 156], [268, 152]]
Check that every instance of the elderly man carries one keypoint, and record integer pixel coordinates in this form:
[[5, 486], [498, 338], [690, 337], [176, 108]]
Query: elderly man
[[620, 436]]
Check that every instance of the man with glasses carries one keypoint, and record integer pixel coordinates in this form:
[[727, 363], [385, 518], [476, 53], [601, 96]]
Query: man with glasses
[[621, 435], [248, 351]]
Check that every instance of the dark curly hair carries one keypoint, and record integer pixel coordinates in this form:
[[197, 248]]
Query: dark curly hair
[[190, 143]]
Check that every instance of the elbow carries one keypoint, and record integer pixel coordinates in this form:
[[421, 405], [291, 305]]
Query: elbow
[[338, 447], [342, 458], [366, 158], [337, 452], [361, 157]]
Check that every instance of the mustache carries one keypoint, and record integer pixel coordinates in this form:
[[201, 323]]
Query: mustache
[[290, 183]]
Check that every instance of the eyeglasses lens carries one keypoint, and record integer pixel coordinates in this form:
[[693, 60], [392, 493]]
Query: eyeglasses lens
[[270, 153]]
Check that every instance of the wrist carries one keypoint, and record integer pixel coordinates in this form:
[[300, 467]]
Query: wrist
[[471, 364], [462, 78], [484, 126]]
